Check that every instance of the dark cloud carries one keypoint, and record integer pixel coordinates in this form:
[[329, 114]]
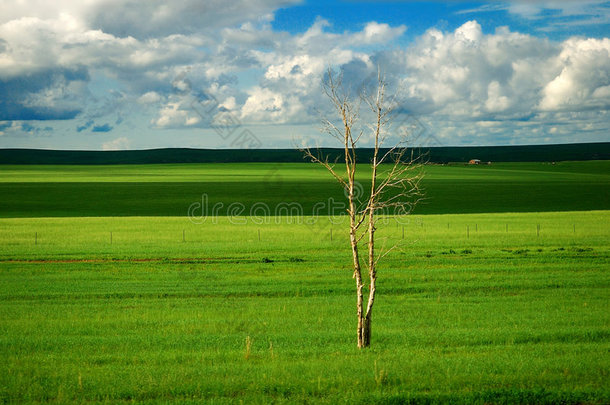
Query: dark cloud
[[85, 126], [33, 129], [16, 112], [102, 128], [157, 18], [357, 76], [17, 128], [16, 94]]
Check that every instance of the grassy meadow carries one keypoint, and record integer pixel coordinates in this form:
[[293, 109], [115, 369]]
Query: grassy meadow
[[169, 190], [117, 297]]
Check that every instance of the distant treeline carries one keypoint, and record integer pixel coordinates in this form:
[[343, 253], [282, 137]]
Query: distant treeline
[[444, 154]]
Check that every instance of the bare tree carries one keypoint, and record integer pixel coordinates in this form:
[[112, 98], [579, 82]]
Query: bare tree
[[394, 181]]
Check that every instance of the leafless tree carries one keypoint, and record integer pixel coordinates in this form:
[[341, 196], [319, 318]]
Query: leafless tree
[[394, 180]]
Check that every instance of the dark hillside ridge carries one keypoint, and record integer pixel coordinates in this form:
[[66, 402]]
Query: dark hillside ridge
[[443, 154]]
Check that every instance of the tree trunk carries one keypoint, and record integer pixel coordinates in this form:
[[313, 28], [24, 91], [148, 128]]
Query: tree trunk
[[366, 321], [359, 287], [366, 331], [361, 323], [356, 257]]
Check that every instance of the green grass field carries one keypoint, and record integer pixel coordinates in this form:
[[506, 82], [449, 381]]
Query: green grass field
[[169, 190], [149, 308]]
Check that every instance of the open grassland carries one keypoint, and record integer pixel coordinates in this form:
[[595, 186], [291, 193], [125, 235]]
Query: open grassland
[[169, 190], [483, 308]]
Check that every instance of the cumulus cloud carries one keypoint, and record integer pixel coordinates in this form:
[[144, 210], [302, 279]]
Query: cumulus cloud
[[47, 53], [375, 32], [150, 97], [468, 74], [290, 91], [503, 75], [176, 115], [584, 79], [121, 143], [150, 19], [49, 94], [516, 80], [264, 104], [202, 64], [511, 82], [155, 18]]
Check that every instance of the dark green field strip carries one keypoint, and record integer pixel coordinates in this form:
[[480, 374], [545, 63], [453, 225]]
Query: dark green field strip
[[506, 196], [174, 199], [169, 190], [154, 199], [497, 396], [524, 153]]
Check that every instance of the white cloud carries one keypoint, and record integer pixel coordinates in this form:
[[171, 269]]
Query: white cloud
[[264, 105], [456, 79], [176, 115], [504, 87], [470, 75], [121, 143], [158, 18], [496, 102], [552, 15], [150, 97], [115, 38], [533, 8], [65, 55], [291, 89], [584, 78], [469, 32], [149, 19], [374, 33]]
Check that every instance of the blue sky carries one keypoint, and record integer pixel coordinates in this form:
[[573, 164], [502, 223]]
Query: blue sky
[[446, 15], [125, 74], [420, 16]]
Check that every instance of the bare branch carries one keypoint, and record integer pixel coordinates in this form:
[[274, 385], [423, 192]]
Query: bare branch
[[324, 162]]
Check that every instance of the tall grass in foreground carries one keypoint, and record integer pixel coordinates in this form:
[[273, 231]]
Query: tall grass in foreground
[[469, 311]]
